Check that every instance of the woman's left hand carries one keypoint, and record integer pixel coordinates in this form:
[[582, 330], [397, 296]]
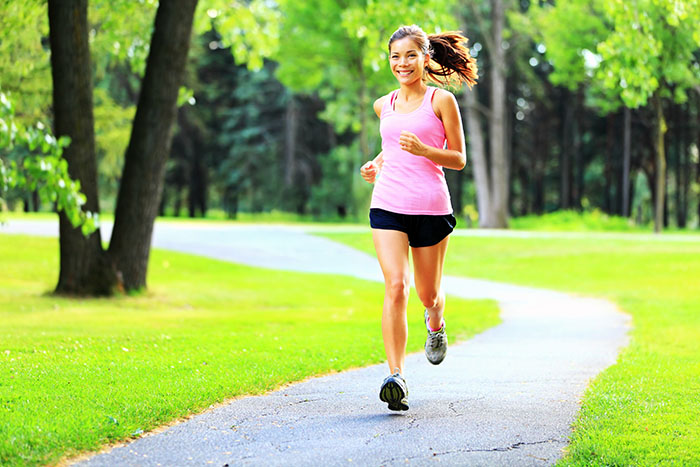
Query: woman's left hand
[[410, 142]]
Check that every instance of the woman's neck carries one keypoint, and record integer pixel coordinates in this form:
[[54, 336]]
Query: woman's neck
[[412, 91]]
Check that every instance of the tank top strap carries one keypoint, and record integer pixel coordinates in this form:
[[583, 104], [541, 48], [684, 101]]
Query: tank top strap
[[428, 97], [389, 103]]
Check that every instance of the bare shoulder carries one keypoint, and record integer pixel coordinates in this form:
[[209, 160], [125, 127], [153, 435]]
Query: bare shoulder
[[379, 103], [444, 102]]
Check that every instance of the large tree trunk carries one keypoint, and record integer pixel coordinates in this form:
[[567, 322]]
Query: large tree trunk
[[627, 138], [660, 166], [497, 139], [151, 137], [84, 267], [477, 151]]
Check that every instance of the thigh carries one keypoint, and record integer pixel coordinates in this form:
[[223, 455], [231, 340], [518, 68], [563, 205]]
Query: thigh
[[392, 251], [427, 266]]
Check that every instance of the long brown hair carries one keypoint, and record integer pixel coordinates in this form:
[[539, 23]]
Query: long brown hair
[[450, 61]]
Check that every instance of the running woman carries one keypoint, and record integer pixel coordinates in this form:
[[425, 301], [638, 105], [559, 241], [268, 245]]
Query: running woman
[[421, 131]]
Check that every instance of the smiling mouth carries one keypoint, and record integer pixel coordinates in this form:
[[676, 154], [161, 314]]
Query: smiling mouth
[[404, 73]]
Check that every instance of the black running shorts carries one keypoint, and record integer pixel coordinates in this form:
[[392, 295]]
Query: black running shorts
[[422, 230]]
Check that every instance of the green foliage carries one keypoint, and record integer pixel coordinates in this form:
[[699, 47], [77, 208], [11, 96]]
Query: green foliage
[[31, 159], [624, 50], [25, 70], [571, 31], [78, 374], [652, 45], [112, 132], [339, 192], [340, 51], [251, 139], [121, 33], [249, 27]]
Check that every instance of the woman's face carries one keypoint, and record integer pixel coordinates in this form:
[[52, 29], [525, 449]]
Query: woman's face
[[407, 61]]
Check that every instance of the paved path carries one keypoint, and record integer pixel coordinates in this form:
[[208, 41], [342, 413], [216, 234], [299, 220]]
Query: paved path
[[505, 397]]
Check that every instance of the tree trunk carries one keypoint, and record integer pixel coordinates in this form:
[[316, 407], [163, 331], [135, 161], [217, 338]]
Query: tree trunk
[[565, 154], [627, 138], [290, 142], [455, 182], [151, 138], [84, 266], [660, 165], [539, 159], [475, 139], [607, 169], [683, 168], [579, 169], [697, 143], [497, 139]]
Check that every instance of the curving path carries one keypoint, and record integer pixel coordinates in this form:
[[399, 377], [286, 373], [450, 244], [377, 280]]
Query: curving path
[[505, 397]]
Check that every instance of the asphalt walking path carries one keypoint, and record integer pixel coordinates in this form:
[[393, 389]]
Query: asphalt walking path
[[505, 397]]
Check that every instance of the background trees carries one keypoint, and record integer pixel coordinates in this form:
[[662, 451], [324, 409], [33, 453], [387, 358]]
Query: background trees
[[581, 107]]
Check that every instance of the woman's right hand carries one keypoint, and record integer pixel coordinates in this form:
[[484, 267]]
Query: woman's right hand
[[370, 169]]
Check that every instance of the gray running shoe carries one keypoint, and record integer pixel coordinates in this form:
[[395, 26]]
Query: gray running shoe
[[436, 343], [394, 392]]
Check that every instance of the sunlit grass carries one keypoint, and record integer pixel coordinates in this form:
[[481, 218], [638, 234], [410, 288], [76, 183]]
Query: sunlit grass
[[645, 410], [78, 373]]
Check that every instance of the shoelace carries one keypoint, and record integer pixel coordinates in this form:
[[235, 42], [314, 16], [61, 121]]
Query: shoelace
[[437, 339]]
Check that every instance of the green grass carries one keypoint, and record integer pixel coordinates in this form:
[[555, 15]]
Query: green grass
[[216, 216], [76, 374], [645, 410], [574, 221]]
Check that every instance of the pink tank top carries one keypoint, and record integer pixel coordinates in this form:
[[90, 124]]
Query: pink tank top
[[410, 184]]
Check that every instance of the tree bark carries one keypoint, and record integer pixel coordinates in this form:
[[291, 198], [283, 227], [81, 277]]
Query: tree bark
[[497, 140], [290, 142], [682, 167], [626, 155], [660, 165], [607, 169], [151, 138], [565, 154], [697, 143], [475, 139], [84, 266]]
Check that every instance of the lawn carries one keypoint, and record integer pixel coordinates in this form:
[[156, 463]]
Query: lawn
[[645, 410], [76, 374]]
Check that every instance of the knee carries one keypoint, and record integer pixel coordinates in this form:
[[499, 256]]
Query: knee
[[429, 298], [397, 289]]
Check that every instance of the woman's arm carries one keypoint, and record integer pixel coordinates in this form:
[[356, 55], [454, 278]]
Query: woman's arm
[[370, 169], [447, 110]]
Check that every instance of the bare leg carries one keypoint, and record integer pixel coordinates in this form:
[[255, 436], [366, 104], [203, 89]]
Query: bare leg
[[427, 267], [392, 252]]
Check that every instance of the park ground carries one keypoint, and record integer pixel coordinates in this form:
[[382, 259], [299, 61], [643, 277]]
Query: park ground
[[80, 373]]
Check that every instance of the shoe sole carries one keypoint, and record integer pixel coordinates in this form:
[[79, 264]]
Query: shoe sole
[[392, 394], [435, 362]]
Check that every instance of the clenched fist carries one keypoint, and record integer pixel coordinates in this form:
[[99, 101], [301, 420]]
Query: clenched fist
[[410, 142], [370, 169]]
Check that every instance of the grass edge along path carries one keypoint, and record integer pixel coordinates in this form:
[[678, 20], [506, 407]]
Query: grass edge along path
[[77, 374], [644, 410]]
